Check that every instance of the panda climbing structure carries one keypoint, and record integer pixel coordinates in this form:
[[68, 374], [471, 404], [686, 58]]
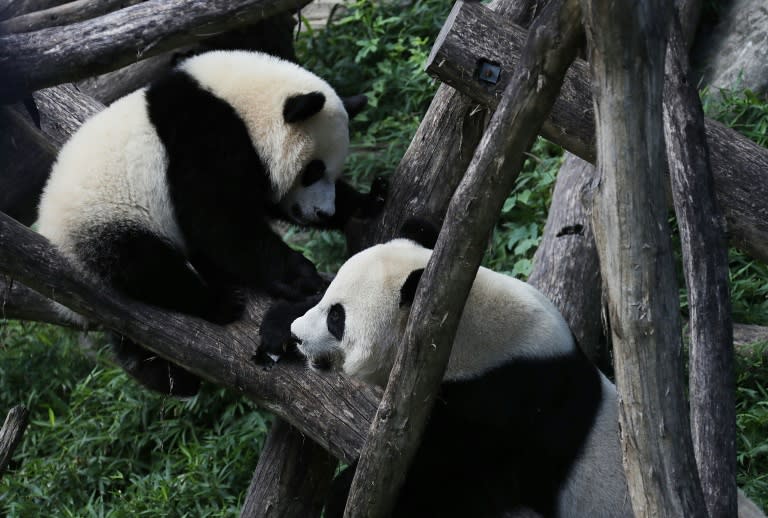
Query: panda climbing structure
[[168, 194], [523, 420]]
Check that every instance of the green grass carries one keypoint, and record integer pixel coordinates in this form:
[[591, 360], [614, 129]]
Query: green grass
[[99, 445]]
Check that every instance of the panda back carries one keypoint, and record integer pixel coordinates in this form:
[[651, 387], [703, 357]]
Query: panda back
[[111, 170]]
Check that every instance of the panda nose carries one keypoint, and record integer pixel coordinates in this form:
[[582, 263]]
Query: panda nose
[[322, 215]]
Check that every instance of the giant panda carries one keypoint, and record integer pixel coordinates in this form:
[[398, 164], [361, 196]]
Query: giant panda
[[523, 421], [168, 195]]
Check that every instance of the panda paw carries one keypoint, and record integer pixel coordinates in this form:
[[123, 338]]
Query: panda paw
[[377, 197], [227, 306], [275, 331]]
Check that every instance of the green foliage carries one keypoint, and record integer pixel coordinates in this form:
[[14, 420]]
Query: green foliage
[[752, 424], [741, 110], [100, 445], [518, 232]]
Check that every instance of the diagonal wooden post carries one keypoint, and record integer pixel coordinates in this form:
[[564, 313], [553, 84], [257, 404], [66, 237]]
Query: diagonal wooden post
[[423, 354], [627, 49]]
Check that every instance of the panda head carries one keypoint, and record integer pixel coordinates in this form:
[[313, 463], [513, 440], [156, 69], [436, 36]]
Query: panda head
[[357, 325], [296, 121]]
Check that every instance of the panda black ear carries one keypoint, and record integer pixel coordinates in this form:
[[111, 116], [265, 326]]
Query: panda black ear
[[408, 290], [301, 107], [421, 231], [354, 104]]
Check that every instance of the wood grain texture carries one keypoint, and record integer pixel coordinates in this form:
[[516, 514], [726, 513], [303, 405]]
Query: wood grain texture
[[26, 156], [740, 166], [566, 266], [47, 57], [292, 477], [63, 109], [12, 8], [64, 14], [331, 409], [627, 49], [423, 354], [11, 434], [712, 383]]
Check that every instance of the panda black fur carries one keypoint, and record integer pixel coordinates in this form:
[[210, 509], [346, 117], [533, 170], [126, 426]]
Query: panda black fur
[[168, 194], [523, 420]]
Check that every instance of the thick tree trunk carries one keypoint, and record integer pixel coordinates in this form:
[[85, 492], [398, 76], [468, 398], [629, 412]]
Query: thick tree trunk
[[35, 60], [627, 48], [11, 434], [740, 166], [705, 260], [423, 354], [292, 476]]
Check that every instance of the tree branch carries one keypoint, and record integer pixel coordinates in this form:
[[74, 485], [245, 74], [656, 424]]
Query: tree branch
[[329, 408], [712, 381], [11, 8], [740, 166], [627, 49], [35, 60], [65, 14], [11, 433], [423, 354]]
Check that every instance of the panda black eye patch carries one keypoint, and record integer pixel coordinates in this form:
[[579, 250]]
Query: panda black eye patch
[[335, 321], [313, 172]]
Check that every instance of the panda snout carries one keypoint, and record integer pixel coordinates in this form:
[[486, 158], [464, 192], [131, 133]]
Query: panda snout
[[322, 215]]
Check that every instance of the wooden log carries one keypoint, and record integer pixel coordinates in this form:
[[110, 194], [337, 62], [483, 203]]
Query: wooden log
[[740, 166], [11, 434], [565, 266], [26, 156], [11, 8], [17, 302], [627, 49], [331, 409], [43, 58], [712, 383], [292, 477], [423, 354], [64, 14], [63, 109]]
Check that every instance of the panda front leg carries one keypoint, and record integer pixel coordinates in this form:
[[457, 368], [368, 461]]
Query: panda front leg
[[145, 267]]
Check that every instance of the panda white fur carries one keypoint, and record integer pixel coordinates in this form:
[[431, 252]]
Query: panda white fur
[[168, 193], [523, 420]]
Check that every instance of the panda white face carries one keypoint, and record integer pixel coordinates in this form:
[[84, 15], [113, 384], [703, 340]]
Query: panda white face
[[357, 325], [297, 123], [313, 199]]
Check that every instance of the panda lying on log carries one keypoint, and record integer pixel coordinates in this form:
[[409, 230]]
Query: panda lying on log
[[168, 194], [523, 420]]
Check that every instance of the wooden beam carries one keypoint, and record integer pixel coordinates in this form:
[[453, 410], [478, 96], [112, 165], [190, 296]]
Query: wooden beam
[[47, 57], [11, 434], [627, 42], [740, 166], [64, 14]]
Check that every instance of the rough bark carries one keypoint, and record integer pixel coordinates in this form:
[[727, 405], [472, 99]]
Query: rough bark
[[423, 354], [11, 434], [26, 156], [565, 266], [292, 476], [64, 14], [11, 8], [330, 409], [627, 49], [17, 302], [705, 264], [63, 109], [740, 166], [35, 60]]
